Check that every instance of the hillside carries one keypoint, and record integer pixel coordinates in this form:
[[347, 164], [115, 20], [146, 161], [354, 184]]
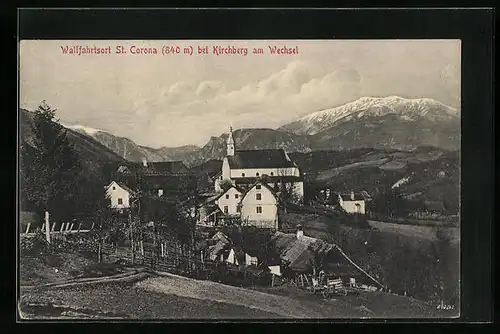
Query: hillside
[[93, 155], [174, 297], [427, 177], [389, 131], [389, 122], [131, 151], [250, 139], [409, 109], [384, 123]]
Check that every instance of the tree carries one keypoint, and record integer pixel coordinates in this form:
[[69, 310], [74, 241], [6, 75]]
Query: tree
[[286, 189], [225, 185], [49, 165], [105, 219]]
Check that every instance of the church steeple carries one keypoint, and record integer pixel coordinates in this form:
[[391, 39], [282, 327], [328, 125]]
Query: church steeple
[[230, 142]]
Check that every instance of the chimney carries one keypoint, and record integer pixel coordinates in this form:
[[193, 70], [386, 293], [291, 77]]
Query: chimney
[[300, 233], [352, 195], [144, 162]]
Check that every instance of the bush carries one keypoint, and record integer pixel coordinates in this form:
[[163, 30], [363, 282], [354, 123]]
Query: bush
[[35, 245]]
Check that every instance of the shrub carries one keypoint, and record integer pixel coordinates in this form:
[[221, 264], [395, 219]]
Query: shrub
[[35, 245]]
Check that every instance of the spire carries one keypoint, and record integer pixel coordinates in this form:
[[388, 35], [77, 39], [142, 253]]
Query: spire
[[230, 142]]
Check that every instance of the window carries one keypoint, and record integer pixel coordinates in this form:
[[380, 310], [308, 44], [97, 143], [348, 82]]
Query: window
[[238, 209], [258, 209], [226, 209], [257, 174], [120, 201], [227, 196], [160, 192], [243, 174], [258, 186], [272, 173], [114, 188], [236, 196], [258, 197]]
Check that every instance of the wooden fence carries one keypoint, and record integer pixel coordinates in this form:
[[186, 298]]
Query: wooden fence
[[172, 259]]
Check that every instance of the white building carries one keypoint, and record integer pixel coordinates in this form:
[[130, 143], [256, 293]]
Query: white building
[[245, 167], [119, 195], [229, 201], [352, 203], [259, 206]]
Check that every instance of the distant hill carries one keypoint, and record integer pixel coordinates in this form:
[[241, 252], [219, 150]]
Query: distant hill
[[426, 176], [131, 151], [390, 122], [383, 123], [93, 155], [250, 139]]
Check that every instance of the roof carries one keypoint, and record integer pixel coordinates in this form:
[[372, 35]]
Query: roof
[[241, 191], [122, 185], [222, 243], [123, 169], [178, 182], [271, 158], [298, 252], [268, 179], [165, 167], [347, 197]]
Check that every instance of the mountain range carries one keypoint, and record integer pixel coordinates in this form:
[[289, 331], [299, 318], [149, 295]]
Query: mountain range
[[369, 122]]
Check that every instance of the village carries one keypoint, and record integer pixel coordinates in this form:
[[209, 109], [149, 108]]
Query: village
[[239, 234]]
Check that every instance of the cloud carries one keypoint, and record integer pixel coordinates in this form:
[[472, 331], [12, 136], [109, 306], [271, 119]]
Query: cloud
[[278, 98]]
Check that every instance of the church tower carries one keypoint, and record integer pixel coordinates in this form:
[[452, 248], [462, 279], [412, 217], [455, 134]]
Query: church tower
[[230, 143]]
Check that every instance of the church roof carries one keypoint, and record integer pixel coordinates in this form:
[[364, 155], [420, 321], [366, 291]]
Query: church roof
[[270, 158]]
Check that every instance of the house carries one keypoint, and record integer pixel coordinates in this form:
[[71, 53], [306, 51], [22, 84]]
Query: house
[[163, 167], [299, 254], [220, 247], [229, 201], [352, 203], [119, 195], [239, 257], [245, 167], [259, 206]]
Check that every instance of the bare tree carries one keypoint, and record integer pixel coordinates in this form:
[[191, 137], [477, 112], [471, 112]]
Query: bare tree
[[286, 187]]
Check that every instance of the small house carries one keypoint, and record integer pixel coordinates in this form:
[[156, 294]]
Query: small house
[[229, 201], [259, 206], [119, 195], [352, 203]]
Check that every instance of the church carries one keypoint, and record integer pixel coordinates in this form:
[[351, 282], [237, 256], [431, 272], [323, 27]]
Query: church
[[244, 168]]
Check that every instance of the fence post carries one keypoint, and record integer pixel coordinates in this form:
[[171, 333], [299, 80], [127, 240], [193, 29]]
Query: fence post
[[61, 229], [47, 227], [28, 228]]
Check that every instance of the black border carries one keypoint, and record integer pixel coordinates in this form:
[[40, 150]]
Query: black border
[[474, 27]]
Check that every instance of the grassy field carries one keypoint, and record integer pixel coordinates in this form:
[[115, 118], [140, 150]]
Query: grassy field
[[425, 232], [173, 297]]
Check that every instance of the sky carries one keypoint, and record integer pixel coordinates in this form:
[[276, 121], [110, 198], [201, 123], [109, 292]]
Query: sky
[[180, 99]]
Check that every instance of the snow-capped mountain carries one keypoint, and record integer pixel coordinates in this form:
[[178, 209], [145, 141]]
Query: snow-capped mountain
[[83, 129], [408, 110]]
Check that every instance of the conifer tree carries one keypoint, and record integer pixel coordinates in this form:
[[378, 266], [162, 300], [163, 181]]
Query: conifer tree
[[49, 165]]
